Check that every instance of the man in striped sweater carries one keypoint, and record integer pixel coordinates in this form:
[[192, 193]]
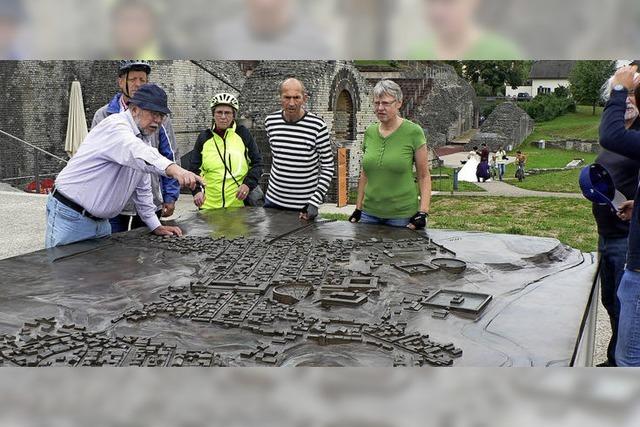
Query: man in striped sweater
[[302, 164]]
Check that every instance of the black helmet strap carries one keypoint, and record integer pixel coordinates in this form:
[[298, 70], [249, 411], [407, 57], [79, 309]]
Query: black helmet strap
[[126, 85]]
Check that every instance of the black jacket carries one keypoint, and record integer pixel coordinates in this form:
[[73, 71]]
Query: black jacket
[[626, 142], [624, 172]]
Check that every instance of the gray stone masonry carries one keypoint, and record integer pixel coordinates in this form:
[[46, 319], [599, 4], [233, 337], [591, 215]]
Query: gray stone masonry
[[449, 109], [36, 95], [507, 125], [578, 145]]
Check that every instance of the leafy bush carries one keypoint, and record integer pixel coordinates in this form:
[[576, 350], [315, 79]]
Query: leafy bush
[[547, 107], [561, 92]]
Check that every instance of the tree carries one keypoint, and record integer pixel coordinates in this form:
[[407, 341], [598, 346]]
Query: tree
[[457, 65], [496, 74], [587, 78], [518, 73]]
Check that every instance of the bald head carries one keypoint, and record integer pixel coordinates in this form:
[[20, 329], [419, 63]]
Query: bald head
[[292, 84], [293, 96]]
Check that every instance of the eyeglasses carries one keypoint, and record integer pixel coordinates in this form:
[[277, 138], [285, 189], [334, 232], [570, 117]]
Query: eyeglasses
[[223, 113], [157, 115], [383, 104]]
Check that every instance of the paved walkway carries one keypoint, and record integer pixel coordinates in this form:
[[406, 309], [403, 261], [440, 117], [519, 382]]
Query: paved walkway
[[501, 188], [22, 216]]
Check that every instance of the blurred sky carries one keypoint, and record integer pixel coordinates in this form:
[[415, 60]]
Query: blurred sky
[[311, 29]]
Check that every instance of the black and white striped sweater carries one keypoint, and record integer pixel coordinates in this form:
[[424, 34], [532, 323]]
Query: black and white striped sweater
[[302, 165]]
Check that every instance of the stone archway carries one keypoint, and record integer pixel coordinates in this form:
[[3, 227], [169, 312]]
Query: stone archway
[[344, 117], [344, 101]]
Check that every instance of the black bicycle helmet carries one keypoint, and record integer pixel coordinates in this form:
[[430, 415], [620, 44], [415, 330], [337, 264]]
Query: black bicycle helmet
[[133, 65]]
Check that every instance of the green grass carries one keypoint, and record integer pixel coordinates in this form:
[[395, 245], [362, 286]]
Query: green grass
[[580, 125], [549, 157], [568, 220], [336, 216], [446, 185], [561, 182]]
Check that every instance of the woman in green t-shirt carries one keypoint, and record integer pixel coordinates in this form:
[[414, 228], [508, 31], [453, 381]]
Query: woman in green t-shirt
[[387, 190]]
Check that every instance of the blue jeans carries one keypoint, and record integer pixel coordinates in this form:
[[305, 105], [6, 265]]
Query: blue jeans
[[272, 205], [392, 222], [628, 345], [65, 226], [501, 169], [613, 253]]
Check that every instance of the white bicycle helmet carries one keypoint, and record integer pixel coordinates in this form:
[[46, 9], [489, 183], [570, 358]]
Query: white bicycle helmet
[[225, 98]]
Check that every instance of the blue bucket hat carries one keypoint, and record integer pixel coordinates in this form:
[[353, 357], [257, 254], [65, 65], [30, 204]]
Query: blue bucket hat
[[597, 185], [151, 97]]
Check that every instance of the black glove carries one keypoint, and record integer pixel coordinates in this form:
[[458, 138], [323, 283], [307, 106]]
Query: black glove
[[505, 158], [356, 215], [197, 189], [311, 211], [419, 220]]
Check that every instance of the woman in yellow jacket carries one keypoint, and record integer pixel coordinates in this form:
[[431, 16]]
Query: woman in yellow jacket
[[228, 159]]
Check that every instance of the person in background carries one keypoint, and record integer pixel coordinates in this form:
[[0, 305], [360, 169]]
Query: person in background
[[473, 154], [132, 74], [493, 167], [484, 152], [228, 159], [521, 161], [387, 190], [501, 161], [302, 165], [482, 170]]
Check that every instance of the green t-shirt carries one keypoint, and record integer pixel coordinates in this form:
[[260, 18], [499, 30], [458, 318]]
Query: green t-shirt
[[391, 190]]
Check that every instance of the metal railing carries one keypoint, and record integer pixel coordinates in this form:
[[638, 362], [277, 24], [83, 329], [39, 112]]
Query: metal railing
[[36, 161]]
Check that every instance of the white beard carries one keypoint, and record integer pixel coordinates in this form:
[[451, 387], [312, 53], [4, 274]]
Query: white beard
[[137, 122]]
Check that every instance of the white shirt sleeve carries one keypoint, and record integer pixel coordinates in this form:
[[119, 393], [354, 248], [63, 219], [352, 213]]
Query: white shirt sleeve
[[143, 200], [129, 150]]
